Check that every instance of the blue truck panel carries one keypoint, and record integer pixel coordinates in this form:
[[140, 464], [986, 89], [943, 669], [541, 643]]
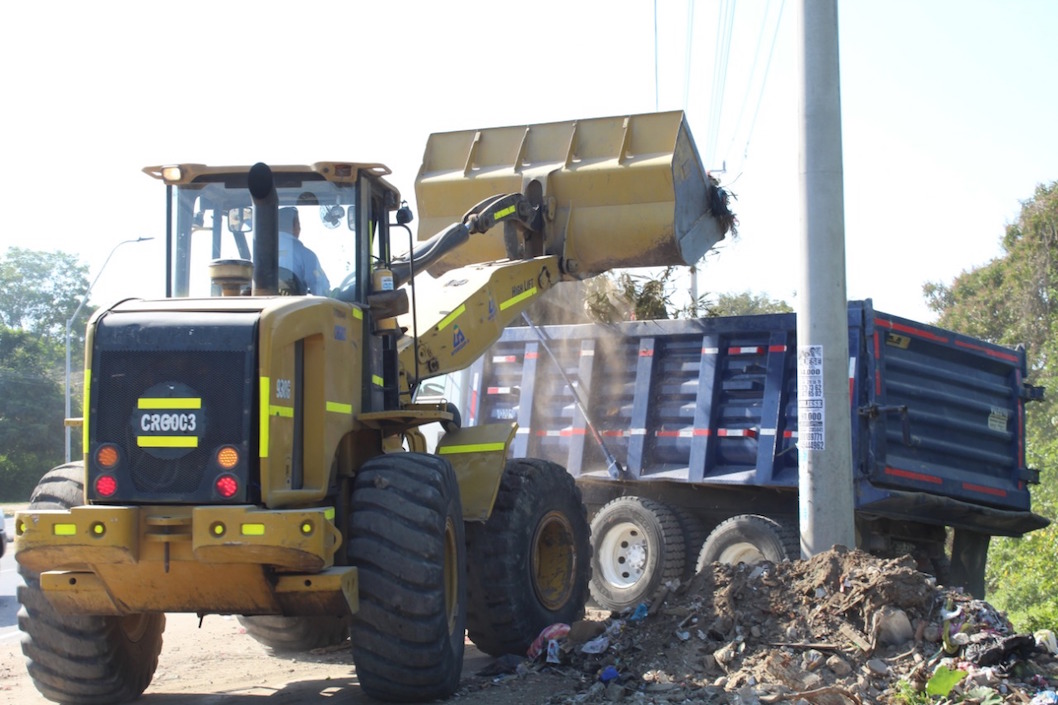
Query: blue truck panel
[[938, 420]]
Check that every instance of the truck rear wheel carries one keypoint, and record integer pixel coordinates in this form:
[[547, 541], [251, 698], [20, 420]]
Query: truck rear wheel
[[529, 564], [694, 531], [406, 540], [76, 659], [296, 634], [749, 539], [637, 546]]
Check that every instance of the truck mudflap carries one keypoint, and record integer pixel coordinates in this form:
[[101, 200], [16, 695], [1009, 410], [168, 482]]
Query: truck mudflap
[[955, 513], [238, 559]]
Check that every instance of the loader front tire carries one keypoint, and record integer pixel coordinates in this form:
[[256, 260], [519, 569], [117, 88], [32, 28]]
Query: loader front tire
[[406, 540], [82, 660], [529, 564], [285, 635]]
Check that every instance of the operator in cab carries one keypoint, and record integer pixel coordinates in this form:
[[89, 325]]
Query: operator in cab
[[298, 259]]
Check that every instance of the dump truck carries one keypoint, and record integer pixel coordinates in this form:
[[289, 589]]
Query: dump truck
[[255, 451], [682, 436]]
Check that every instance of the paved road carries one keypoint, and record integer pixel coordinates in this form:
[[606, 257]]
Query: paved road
[[9, 580]]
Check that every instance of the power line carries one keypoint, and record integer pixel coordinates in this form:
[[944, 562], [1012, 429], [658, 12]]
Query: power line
[[724, 31], [657, 102], [757, 49], [764, 80]]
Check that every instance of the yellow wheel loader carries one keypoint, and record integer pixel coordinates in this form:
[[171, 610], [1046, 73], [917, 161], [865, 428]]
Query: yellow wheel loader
[[255, 451]]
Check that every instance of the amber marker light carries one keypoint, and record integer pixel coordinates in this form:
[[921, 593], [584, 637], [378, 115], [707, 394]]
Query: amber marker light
[[107, 456], [228, 457]]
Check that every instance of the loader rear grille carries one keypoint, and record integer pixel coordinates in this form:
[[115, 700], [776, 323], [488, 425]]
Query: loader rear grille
[[216, 372]]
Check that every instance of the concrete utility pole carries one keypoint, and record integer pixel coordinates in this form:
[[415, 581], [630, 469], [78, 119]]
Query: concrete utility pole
[[823, 421]]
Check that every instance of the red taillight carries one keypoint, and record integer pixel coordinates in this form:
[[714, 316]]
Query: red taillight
[[106, 485], [227, 486]]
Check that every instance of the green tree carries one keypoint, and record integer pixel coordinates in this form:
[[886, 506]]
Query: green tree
[[31, 413], [41, 290], [1013, 300], [744, 304]]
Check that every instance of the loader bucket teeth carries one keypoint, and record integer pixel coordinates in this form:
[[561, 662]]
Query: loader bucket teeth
[[626, 191]]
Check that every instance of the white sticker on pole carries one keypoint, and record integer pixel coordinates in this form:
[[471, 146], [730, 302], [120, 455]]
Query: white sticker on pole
[[811, 411]]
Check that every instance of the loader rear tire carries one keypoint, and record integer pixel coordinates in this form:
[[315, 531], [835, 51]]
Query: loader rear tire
[[406, 540], [529, 564], [82, 660], [285, 635], [637, 547], [749, 539]]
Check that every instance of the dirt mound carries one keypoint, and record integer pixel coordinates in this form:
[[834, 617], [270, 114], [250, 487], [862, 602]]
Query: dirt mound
[[842, 627]]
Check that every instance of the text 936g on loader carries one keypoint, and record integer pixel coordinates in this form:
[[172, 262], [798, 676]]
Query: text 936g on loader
[[256, 453]]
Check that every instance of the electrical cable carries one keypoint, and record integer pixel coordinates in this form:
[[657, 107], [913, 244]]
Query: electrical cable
[[764, 80]]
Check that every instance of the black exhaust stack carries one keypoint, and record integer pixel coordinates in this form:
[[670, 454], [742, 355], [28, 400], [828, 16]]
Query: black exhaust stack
[[265, 230]]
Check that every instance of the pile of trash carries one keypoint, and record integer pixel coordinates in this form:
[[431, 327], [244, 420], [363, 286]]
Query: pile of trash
[[842, 627]]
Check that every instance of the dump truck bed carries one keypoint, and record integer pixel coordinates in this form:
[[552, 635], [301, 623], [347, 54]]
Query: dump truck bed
[[938, 422]]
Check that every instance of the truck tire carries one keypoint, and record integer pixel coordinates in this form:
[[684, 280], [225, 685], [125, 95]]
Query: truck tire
[[82, 660], [694, 533], [529, 564], [296, 634], [637, 547], [406, 540], [749, 539]]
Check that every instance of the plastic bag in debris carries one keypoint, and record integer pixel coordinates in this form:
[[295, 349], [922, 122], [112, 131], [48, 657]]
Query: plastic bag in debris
[[987, 649], [596, 646], [508, 663], [554, 632], [1045, 698], [640, 613]]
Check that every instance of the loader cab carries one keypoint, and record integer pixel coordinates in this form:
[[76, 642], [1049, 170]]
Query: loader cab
[[342, 207]]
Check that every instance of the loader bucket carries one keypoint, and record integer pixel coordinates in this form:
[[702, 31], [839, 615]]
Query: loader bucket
[[626, 191]]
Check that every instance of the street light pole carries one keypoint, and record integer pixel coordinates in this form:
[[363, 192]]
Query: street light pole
[[69, 325]]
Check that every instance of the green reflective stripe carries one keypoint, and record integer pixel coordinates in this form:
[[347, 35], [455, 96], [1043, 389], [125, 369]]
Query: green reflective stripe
[[252, 529], [378, 381], [451, 317], [472, 448], [358, 314], [328, 513], [64, 529], [264, 387], [339, 408], [504, 305], [84, 411], [170, 403], [167, 441], [505, 212], [277, 410]]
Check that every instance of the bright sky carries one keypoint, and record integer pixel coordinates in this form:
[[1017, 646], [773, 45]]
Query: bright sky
[[948, 113]]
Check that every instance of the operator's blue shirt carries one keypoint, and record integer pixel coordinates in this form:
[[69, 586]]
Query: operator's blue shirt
[[302, 261]]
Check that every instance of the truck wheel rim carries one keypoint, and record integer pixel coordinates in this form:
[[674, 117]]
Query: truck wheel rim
[[743, 552], [554, 560], [623, 555], [451, 575]]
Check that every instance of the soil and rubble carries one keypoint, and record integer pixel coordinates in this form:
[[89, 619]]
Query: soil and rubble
[[841, 627]]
